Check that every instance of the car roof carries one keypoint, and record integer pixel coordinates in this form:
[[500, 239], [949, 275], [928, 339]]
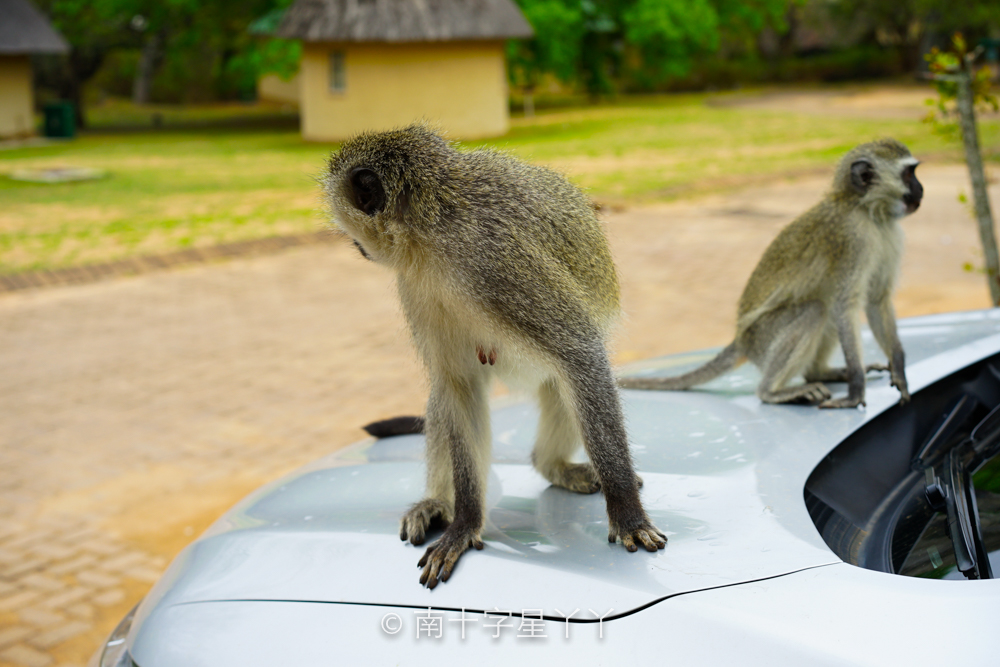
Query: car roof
[[724, 477]]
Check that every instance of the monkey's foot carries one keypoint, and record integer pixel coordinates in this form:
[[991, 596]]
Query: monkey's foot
[[812, 393], [440, 558], [485, 358], [845, 402], [575, 477], [646, 534], [426, 514]]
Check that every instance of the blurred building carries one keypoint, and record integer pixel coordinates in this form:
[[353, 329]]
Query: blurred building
[[23, 31], [378, 64]]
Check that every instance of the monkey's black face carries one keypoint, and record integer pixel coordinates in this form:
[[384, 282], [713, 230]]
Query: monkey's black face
[[915, 191], [366, 188]]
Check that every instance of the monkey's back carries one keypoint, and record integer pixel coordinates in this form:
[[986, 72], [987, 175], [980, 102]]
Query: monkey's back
[[522, 220], [801, 262]]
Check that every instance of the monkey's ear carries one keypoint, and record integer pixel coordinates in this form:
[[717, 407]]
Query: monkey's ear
[[862, 175], [369, 195]]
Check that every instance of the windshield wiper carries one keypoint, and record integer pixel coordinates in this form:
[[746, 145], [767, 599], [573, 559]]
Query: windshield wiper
[[955, 494], [953, 420]]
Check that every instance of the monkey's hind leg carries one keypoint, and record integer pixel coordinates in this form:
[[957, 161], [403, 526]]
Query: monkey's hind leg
[[458, 426], [783, 344], [558, 438]]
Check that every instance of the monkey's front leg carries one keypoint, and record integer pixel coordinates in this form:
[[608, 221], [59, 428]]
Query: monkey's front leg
[[847, 332], [882, 320], [458, 423]]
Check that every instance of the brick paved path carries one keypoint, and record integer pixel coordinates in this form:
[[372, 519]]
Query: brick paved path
[[135, 410]]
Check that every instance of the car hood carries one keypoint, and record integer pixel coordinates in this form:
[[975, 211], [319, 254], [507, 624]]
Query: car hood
[[724, 478]]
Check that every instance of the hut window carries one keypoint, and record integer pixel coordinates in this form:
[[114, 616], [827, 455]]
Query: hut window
[[338, 73]]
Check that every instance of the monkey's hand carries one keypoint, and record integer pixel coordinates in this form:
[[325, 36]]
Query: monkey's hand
[[646, 534], [899, 382], [428, 513], [440, 557]]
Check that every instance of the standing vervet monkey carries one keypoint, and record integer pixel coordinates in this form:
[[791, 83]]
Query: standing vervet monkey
[[503, 270], [809, 288]]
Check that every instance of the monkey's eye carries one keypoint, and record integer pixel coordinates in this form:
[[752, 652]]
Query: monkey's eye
[[369, 195]]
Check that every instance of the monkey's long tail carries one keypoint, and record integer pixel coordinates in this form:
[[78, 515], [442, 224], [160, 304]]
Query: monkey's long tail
[[728, 359], [395, 426]]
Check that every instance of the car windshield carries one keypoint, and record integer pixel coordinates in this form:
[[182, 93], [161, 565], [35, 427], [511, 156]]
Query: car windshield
[[916, 491]]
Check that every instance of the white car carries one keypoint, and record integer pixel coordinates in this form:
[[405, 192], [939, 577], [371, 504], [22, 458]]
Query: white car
[[797, 536]]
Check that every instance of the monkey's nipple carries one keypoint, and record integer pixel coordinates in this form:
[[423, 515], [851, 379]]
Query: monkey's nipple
[[484, 359]]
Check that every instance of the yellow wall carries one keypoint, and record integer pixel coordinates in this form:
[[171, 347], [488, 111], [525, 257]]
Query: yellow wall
[[16, 113], [273, 88], [459, 86]]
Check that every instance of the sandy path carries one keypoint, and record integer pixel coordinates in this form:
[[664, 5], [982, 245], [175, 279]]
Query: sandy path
[[135, 411]]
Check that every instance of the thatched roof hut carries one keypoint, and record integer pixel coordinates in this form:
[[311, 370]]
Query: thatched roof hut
[[24, 30], [377, 64], [403, 21]]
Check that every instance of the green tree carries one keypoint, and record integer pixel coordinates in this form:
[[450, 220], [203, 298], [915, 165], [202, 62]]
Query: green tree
[[911, 26], [961, 88], [597, 43], [184, 44], [555, 49]]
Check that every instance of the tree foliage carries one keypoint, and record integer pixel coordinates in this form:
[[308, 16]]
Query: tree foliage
[[601, 42], [181, 47], [912, 26]]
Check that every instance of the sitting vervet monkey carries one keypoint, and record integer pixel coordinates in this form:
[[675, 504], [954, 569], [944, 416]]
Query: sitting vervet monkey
[[809, 288], [503, 270]]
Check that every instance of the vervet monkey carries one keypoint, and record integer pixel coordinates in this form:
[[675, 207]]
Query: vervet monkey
[[809, 288], [503, 270]]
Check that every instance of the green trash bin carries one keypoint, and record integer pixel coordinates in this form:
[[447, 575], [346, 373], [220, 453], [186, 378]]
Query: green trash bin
[[60, 120]]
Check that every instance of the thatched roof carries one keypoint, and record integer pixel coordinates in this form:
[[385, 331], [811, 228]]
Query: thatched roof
[[403, 20], [23, 29]]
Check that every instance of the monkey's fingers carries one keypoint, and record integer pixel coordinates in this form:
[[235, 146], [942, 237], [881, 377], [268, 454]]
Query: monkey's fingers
[[440, 558], [426, 556], [452, 557], [652, 539]]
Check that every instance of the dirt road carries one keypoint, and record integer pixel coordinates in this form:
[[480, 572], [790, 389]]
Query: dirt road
[[134, 411]]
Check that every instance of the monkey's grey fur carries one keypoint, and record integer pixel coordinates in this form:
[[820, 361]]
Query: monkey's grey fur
[[809, 288], [503, 270]]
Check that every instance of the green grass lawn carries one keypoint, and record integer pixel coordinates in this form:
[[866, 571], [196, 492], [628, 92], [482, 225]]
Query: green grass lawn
[[172, 189]]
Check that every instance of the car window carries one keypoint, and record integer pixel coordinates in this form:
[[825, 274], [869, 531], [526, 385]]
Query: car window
[[916, 491]]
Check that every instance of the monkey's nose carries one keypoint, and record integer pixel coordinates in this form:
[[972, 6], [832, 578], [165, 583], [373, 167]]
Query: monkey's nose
[[912, 202]]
